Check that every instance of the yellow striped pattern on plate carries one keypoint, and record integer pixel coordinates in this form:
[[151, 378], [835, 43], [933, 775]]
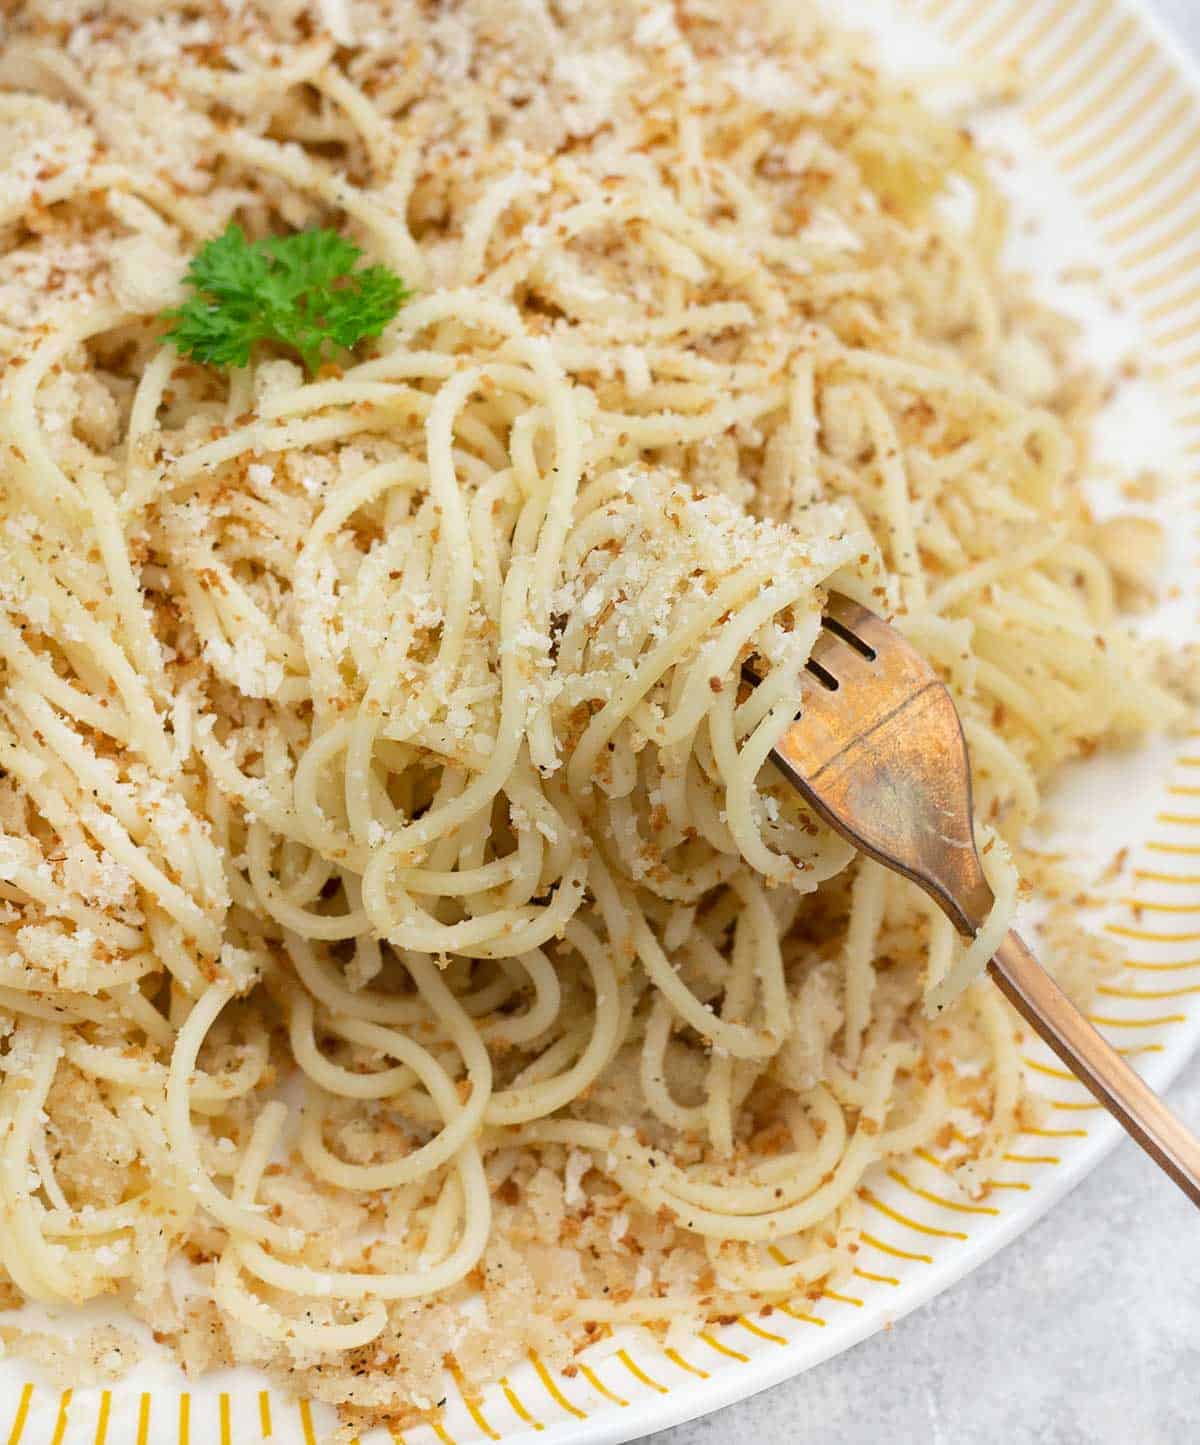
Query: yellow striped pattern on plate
[[1116, 109]]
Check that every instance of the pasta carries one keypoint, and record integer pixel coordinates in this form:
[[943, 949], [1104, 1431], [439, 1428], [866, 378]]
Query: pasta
[[404, 932]]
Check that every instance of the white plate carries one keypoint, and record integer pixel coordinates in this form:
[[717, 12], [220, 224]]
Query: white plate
[[1112, 110]]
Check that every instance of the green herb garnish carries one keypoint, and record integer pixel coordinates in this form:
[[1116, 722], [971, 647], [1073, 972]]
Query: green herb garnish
[[301, 291]]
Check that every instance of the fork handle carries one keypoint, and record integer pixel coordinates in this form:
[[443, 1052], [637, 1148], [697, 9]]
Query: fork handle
[[1094, 1061]]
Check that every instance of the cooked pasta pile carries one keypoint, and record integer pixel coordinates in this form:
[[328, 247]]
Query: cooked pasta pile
[[403, 927]]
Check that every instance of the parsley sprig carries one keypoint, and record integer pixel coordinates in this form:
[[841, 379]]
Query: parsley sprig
[[300, 291]]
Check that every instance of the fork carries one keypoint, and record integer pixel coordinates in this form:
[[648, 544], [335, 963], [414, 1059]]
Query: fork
[[878, 752]]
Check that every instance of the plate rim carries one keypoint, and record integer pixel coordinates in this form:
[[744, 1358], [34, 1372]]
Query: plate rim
[[764, 1369]]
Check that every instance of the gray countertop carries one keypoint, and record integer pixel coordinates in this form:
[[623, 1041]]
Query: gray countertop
[[1086, 1331]]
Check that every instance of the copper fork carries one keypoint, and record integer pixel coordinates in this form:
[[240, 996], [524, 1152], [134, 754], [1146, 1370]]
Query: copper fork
[[878, 752]]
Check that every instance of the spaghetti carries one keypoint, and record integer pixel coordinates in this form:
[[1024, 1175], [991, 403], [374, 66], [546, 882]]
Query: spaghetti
[[402, 925]]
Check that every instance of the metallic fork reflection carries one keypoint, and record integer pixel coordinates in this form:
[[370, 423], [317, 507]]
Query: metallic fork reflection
[[878, 752]]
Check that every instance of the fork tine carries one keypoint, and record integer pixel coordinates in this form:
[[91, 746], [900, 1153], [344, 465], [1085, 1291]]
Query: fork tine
[[848, 661], [825, 650], [882, 758], [851, 638], [831, 663], [816, 698], [846, 612], [883, 761]]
